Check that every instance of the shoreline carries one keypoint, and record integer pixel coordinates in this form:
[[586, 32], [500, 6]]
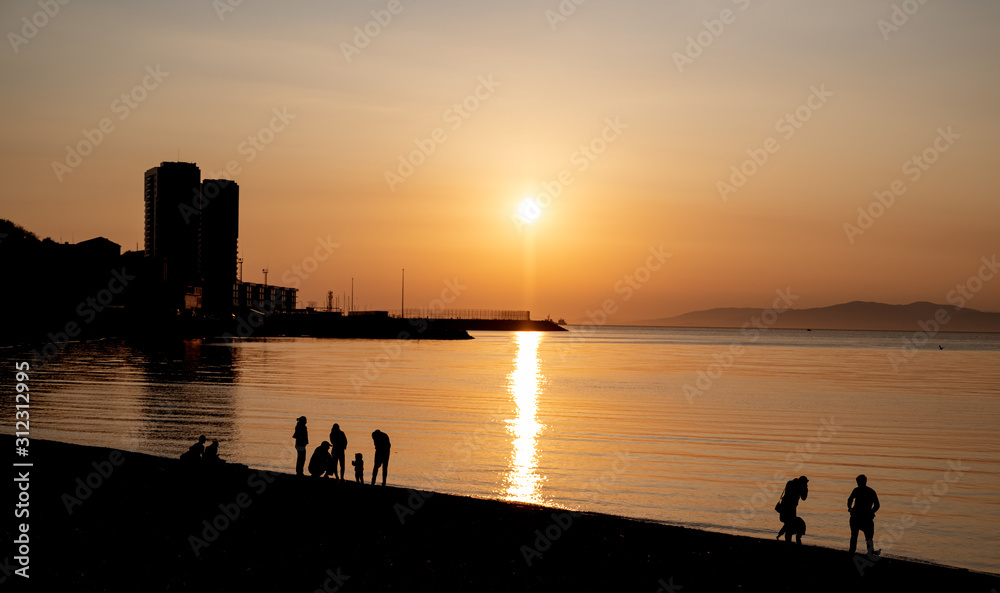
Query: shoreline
[[105, 520]]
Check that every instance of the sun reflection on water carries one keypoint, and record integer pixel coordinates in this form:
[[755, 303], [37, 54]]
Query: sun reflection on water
[[524, 384]]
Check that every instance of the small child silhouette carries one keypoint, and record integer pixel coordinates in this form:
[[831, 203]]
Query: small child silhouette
[[359, 468]]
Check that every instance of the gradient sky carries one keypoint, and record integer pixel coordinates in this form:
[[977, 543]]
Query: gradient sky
[[655, 184]]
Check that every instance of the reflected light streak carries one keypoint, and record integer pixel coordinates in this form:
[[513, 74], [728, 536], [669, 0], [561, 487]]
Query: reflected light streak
[[524, 385]]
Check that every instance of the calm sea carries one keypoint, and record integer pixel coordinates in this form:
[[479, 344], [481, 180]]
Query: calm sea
[[696, 427]]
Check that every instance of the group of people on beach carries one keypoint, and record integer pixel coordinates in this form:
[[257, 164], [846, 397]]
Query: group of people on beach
[[862, 504], [329, 456], [199, 453], [328, 460]]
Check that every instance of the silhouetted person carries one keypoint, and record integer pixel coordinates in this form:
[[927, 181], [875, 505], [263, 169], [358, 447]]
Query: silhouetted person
[[212, 453], [320, 462], [788, 506], [195, 452], [382, 446], [359, 468], [301, 437], [863, 504], [338, 442], [796, 527]]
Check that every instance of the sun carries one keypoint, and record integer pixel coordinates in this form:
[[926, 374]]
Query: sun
[[529, 210]]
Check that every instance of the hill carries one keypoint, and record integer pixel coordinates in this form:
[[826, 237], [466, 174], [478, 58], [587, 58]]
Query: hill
[[857, 315]]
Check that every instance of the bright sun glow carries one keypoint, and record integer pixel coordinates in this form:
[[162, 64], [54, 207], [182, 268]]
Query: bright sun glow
[[529, 210], [524, 385]]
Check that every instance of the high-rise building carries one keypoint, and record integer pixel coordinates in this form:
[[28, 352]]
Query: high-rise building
[[172, 193], [191, 248], [218, 243]]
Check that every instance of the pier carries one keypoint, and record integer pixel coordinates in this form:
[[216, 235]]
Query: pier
[[431, 324]]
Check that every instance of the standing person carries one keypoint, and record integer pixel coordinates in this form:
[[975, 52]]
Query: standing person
[[382, 446], [787, 508], [863, 504], [301, 437], [338, 440]]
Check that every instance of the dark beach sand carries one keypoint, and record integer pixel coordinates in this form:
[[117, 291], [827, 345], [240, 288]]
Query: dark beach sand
[[134, 532]]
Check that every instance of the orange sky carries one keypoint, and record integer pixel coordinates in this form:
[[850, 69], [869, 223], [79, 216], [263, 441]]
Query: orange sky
[[681, 92]]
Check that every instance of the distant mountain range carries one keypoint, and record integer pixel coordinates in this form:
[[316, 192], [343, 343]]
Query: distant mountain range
[[859, 315]]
